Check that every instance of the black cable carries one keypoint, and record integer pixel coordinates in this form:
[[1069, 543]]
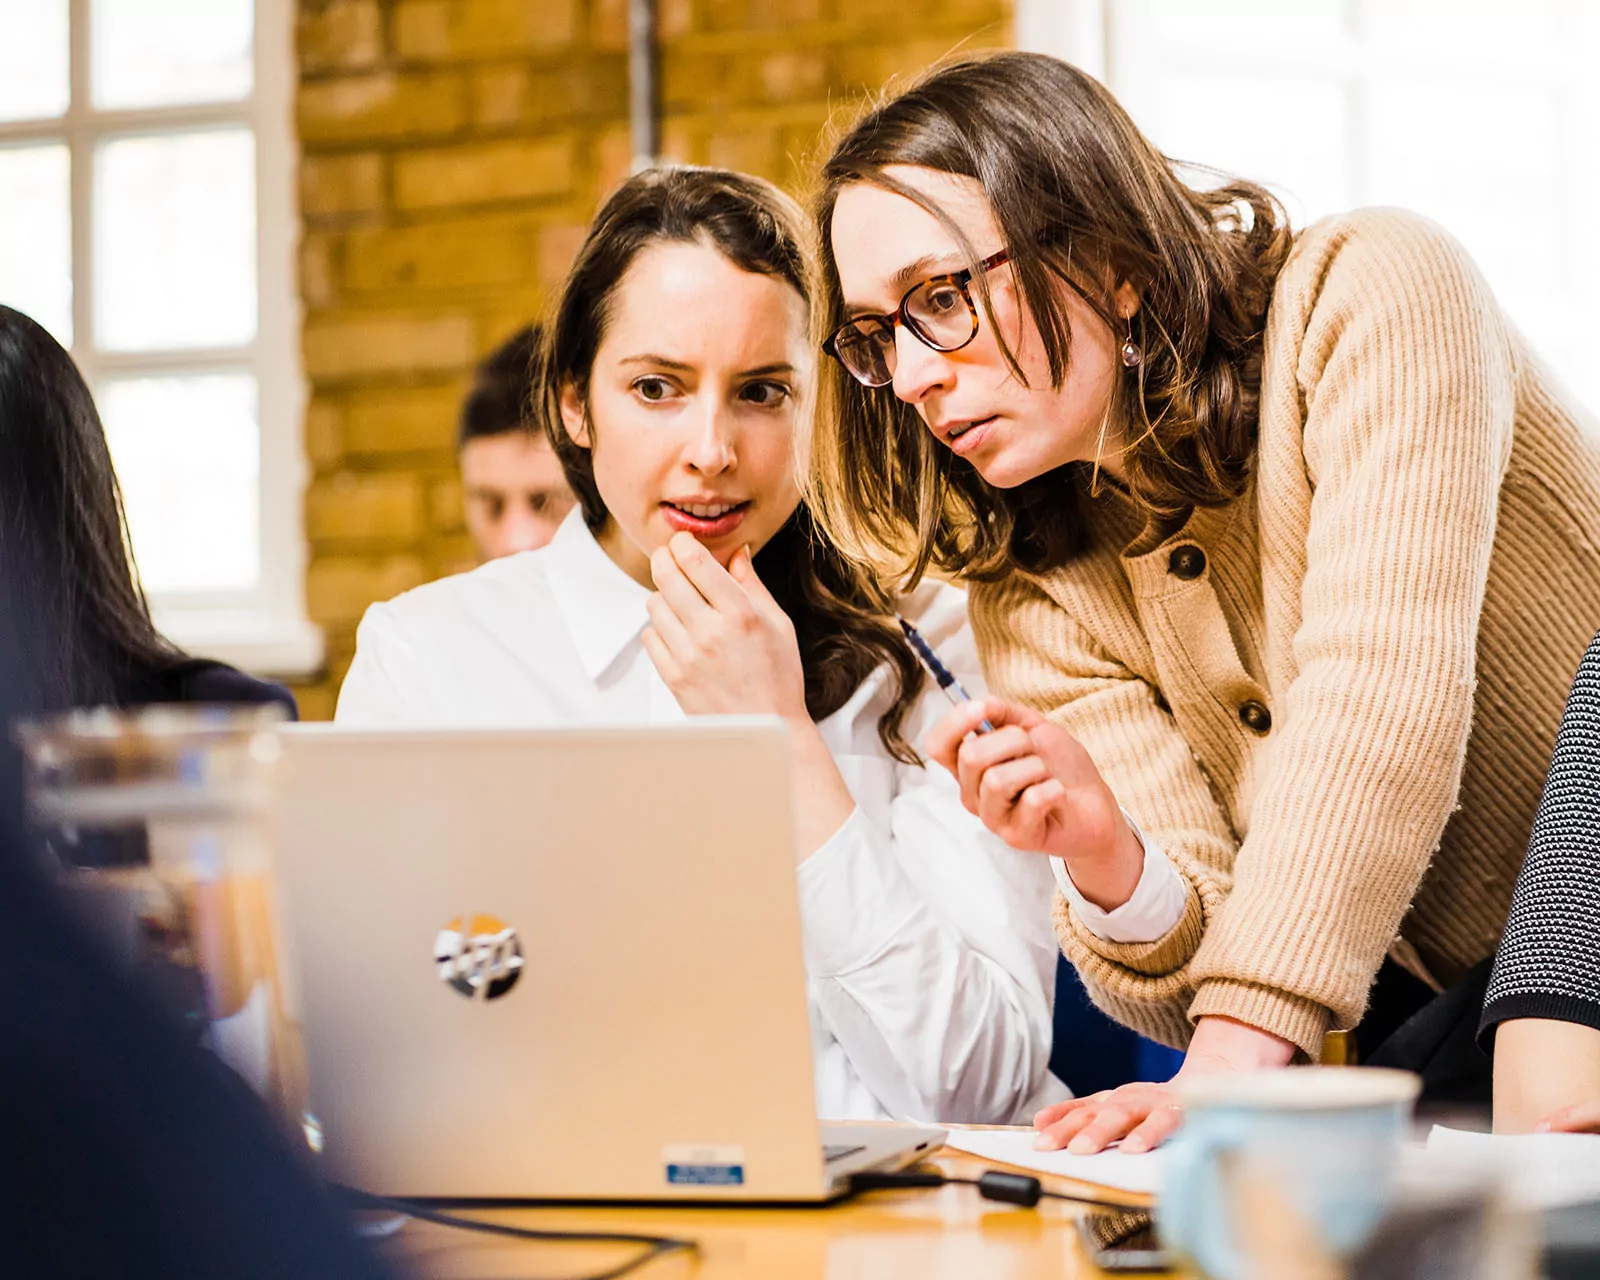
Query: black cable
[[994, 1184], [656, 1246]]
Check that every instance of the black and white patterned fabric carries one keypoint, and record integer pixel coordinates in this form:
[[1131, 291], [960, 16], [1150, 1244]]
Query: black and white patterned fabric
[[1548, 965]]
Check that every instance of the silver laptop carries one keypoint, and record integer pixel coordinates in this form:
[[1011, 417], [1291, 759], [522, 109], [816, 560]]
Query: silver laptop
[[559, 964]]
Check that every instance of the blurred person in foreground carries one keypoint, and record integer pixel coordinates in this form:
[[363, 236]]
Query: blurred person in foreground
[[512, 485], [129, 1151], [75, 625]]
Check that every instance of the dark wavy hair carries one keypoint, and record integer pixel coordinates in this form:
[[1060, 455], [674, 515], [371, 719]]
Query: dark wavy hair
[[1082, 199], [842, 617], [73, 618]]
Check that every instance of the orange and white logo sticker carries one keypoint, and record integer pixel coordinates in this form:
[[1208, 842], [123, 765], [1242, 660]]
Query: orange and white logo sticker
[[479, 956]]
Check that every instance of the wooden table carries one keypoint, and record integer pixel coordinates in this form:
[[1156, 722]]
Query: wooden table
[[948, 1233]]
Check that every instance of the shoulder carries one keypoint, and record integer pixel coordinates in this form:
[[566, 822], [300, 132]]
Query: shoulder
[[204, 680], [1373, 258], [462, 599]]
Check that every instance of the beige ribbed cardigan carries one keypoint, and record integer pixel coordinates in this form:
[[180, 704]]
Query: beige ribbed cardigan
[[1407, 589]]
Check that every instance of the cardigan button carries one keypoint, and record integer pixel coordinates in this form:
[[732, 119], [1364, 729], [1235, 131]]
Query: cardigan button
[[1255, 717], [1186, 562]]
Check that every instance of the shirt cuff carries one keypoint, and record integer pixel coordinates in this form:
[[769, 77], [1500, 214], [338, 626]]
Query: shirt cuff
[[1157, 905]]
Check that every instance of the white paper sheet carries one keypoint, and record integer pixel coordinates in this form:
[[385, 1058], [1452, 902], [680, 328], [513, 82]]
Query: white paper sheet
[[1541, 1170], [1015, 1147]]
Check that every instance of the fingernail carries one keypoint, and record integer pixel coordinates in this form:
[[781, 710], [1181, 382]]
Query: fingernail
[[1081, 1146], [1134, 1146], [1044, 1142], [1542, 1127]]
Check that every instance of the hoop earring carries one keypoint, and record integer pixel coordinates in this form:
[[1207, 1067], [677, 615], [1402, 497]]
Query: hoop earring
[[1132, 352]]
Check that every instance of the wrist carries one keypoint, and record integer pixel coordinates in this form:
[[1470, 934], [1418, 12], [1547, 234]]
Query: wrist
[[1108, 866], [1222, 1044]]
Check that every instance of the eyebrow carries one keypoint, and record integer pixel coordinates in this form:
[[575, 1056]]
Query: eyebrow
[[929, 264], [665, 362]]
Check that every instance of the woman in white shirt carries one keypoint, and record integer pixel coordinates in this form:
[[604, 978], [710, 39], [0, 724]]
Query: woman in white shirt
[[690, 581]]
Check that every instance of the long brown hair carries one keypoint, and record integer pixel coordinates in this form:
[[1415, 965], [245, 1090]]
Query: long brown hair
[[1083, 199], [842, 619]]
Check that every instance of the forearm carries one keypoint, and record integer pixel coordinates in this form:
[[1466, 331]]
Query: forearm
[[1541, 1066], [822, 801]]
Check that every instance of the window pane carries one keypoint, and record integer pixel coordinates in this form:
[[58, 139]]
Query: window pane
[[33, 59], [175, 239], [36, 236], [187, 451], [1289, 133], [150, 53], [1469, 156]]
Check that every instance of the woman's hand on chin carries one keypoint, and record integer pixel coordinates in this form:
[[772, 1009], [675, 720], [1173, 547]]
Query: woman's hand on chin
[[717, 637], [1140, 1117]]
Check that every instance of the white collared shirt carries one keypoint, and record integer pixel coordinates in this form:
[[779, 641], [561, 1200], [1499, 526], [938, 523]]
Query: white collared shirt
[[929, 949]]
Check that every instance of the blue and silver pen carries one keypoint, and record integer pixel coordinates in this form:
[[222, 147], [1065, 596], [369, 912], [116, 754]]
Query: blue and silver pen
[[951, 686]]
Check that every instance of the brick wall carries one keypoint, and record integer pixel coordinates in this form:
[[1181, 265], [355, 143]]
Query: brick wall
[[452, 153]]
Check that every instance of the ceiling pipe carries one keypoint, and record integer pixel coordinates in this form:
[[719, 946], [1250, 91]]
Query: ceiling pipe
[[644, 123]]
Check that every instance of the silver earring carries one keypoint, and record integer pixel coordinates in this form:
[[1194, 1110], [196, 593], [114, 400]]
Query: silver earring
[[1132, 353]]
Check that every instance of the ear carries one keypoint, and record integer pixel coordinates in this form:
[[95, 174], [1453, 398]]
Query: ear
[[1126, 300], [574, 416]]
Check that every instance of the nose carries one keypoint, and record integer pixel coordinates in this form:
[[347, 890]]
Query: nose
[[710, 450], [919, 370], [520, 530]]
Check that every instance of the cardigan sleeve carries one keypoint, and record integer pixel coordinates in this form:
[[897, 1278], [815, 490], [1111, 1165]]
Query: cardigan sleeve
[[1548, 965], [1405, 371], [1038, 654]]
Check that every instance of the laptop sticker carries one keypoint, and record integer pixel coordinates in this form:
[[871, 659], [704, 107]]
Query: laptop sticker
[[478, 956], [688, 1165]]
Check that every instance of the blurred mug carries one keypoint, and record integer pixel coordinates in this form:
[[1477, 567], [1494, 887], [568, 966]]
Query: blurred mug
[[1294, 1162], [155, 820]]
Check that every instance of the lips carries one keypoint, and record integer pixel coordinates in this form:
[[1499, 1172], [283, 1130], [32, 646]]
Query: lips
[[964, 437], [705, 519]]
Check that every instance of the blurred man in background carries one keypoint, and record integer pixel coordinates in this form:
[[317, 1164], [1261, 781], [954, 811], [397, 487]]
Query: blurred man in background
[[511, 484]]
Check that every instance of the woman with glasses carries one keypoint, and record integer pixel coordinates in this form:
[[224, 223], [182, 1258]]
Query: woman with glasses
[[1284, 546], [690, 581]]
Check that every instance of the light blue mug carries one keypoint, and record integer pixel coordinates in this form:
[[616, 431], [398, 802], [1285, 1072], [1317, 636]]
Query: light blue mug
[[1322, 1141]]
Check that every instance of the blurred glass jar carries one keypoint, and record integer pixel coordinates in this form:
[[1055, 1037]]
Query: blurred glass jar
[[157, 821]]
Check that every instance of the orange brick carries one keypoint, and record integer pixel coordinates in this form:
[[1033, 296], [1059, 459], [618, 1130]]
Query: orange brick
[[339, 588], [354, 346], [483, 174], [403, 420], [318, 270], [558, 246], [749, 151], [458, 254], [674, 18], [517, 96], [369, 108], [460, 30], [444, 506], [608, 24], [339, 35], [784, 15], [324, 432], [793, 76], [332, 185], [316, 701], [383, 507]]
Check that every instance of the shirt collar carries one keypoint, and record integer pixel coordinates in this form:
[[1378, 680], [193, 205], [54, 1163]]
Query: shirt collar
[[602, 607]]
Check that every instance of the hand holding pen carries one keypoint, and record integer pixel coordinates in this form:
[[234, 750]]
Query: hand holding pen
[[1034, 785]]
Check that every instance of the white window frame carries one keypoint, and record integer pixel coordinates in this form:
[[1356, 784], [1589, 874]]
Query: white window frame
[[264, 629], [1093, 34]]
